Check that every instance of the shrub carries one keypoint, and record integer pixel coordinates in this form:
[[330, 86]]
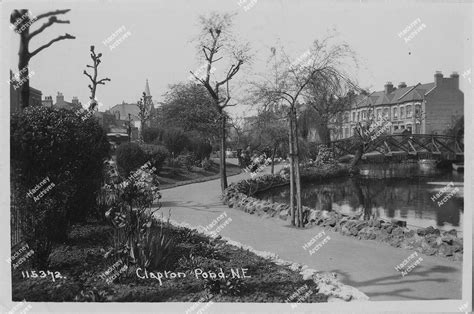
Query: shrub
[[206, 164], [200, 147], [70, 152], [156, 154], [325, 156], [129, 157], [187, 160], [175, 140], [313, 149], [175, 163], [152, 135], [135, 231]]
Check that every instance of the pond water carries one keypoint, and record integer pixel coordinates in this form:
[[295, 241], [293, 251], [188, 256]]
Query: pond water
[[403, 191]]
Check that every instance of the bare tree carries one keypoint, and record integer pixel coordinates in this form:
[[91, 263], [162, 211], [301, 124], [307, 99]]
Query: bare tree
[[93, 78], [288, 83], [21, 21], [240, 134], [144, 112], [215, 42]]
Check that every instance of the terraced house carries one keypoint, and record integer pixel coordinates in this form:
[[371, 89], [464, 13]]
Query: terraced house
[[419, 109]]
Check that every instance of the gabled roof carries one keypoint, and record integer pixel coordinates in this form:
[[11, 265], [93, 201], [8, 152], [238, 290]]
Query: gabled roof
[[399, 95]]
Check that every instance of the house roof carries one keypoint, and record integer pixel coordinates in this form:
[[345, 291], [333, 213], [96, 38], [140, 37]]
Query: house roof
[[399, 95], [125, 109]]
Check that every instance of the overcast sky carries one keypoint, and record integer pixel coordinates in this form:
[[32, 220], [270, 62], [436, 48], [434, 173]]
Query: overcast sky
[[160, 45]]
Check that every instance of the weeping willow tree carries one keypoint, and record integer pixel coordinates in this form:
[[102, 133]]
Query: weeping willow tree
[[288, 84]]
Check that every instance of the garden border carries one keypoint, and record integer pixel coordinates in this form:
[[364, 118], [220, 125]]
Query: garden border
[[328, 283]]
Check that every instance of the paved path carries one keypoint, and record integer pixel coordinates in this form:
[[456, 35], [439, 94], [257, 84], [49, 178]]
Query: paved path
[[366, 265]]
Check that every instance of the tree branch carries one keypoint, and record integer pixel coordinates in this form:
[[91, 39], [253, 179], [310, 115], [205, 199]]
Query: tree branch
[[205, 53], [66, 36], [52, 20], [52, 13], [197, 78], [89, 76], [232, 71], [102, 81]]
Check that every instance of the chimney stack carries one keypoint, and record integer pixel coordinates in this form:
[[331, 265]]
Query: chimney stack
[[48, 101], [59, 98], [388, 87], [438, 78], [402, 85], [455, 80]]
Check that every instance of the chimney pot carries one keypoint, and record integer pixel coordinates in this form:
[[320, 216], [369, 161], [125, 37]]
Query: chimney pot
[[438, 78], [454, 77], [388, 87]]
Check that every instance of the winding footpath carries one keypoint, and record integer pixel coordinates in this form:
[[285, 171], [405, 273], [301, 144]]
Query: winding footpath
[[364, 264]]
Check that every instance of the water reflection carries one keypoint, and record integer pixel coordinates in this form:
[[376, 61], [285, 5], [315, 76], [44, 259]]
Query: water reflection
[[403, 191]]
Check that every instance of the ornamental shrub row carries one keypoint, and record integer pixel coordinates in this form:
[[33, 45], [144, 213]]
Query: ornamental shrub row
[[57, 145]]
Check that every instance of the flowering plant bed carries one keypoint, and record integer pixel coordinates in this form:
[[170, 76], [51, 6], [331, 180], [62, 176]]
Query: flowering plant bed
[[82, 266]]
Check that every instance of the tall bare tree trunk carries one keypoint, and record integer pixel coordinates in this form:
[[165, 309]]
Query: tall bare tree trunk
[[22, 22], [23, 61], [273, 159], [299, 208], [222, 166], [292, 175]]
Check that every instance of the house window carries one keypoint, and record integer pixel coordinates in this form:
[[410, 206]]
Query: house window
[[358, 116], [385, 112], [117, 115], [353, 117], [379, 114], [417, 109], [395, 113], [402, 112], [409, 111], [364, 115], [346, 117], [409, 128], [395, 127], [402, 127]]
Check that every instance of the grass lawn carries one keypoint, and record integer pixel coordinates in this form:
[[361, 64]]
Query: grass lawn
[[81, 260], [172, 177]]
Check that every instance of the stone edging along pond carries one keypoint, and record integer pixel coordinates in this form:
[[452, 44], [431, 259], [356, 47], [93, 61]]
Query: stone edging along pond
[[429, 241], [328, 283]]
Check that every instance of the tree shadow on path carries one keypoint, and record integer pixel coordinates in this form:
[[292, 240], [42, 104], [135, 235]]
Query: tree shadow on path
[[427, 274]]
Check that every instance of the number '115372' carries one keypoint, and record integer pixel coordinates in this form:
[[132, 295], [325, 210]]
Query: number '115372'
[[42, 274]]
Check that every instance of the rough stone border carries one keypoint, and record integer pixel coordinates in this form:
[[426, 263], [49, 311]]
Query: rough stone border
[[328, 283], [429, 241]]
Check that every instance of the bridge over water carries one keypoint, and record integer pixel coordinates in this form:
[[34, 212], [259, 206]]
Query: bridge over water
[[402, 146]]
